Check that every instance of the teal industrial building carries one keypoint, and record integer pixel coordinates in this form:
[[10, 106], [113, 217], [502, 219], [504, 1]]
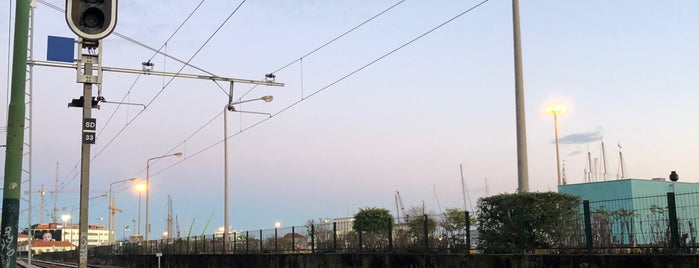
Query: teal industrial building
[[636, 212]]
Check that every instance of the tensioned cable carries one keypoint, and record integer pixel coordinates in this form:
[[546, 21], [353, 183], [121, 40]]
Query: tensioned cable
[[185, 64], [171, 79], [140, 44], [134, 41], [289, 64], [298, 60], [329, 42], [128, 92], [328, 86]]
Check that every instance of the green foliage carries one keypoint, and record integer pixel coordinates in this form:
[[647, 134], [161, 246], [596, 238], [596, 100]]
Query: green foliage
[[454, 225], [372, 220], [417, 226], [540, 220]]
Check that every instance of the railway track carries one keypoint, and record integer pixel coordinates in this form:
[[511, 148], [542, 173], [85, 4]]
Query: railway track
[[22, 262]]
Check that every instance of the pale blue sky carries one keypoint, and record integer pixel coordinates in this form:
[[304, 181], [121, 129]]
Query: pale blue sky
[[626, 69]]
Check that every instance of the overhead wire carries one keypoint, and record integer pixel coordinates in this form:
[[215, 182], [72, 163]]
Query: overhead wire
[[128, 92], [298, 60], [158, 51], [330, 42], [171, 79], [328, 85]]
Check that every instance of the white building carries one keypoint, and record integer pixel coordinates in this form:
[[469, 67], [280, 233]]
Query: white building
[[97, 235]]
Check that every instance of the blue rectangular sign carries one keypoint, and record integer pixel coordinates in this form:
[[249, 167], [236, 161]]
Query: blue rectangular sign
[[60, 49]]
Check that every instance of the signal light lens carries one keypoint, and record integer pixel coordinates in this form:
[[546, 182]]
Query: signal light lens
[[92, 20]]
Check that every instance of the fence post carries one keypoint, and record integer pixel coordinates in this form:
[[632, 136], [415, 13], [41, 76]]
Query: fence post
[[360, 240], [588, 225], [390, 235], [247, 241], [235, 240], [313, 239], [293, 240], [522, 234], [672, 215], [425, 233], [468, 232], [261, 240], [334, 236]]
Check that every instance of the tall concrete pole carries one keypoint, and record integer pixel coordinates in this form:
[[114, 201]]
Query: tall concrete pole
[[15, 138], [226, 222], [522, 165]]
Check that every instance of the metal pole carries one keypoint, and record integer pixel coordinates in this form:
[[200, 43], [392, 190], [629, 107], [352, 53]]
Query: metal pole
[[522, 165], [110, 236], [178, 154], [15, 137], [139, 213], [558, 159], [225, 173], [85, 174], [147, 194]]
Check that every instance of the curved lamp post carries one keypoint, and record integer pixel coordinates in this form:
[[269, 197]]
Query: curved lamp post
[[555, 110], [113, 210], [178, 154], [229, 107]]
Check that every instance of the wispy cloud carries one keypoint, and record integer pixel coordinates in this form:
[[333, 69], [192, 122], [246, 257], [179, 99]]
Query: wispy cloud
[[580, 138], [573, 153]]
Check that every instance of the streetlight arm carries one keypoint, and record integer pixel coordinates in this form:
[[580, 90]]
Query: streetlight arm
[[178, 154], [265, 98]]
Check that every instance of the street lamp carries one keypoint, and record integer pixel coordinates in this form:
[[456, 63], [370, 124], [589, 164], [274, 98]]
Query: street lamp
[[178, 154], [126, 228], [139, 188], [65, 218], [555, 110], [229, 107], [113, 210]]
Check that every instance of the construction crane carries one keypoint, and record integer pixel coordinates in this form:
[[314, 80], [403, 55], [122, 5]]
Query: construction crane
[[169, 217], [177, 226], [400, 209]]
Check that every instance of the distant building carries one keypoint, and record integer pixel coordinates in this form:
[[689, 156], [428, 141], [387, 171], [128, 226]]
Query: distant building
[[41, 246], [96, 234], [634, 211], [626, 188], [344, 225]]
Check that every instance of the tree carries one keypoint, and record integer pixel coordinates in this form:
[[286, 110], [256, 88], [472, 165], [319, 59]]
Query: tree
[[511, 222], [417, 228], [454, 224], [372, 220], [372, 225]]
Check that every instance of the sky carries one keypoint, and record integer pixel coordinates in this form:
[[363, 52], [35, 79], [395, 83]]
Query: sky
[[394, 105]]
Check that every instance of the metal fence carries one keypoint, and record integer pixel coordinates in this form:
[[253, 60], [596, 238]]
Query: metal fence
[[653, 224]]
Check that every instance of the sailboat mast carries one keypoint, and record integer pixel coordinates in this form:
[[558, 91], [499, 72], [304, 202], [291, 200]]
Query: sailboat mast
[[463, 185], [604, 163], [621, 161], [589, 165]]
